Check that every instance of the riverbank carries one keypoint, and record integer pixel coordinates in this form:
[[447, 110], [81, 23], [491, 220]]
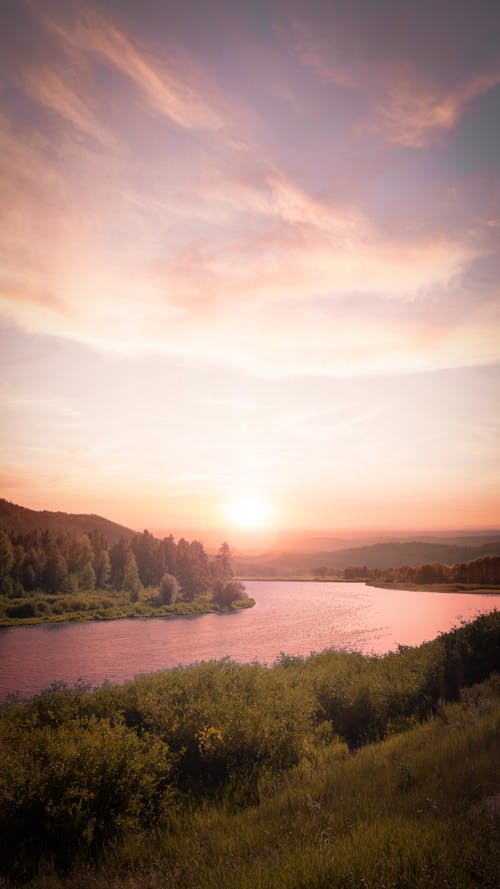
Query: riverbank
[[475, 588], [472, 588], [337, 770], [297, 578], [103, 606]]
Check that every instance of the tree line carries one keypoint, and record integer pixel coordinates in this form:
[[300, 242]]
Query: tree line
[[42, 561], [480, 571]]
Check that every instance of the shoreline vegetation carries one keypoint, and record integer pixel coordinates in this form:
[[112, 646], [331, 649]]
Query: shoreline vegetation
[[337, 770], [470, 588], [48, 577], [54, 576], [483, 571], [483, 589], [114, 607]]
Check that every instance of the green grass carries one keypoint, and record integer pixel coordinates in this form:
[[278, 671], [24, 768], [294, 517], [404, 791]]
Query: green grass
[[40, 608], [337, 770], [411, 811]]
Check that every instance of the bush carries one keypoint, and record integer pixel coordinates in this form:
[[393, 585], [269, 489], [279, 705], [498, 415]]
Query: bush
[[169, 589], [228, 591], [66, 788], [24, 609]]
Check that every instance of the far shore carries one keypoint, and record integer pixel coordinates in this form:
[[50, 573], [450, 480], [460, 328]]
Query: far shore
[[473, 588], [470, 589]]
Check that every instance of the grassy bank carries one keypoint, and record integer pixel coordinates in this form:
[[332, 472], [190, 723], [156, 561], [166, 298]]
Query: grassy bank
[[473, 588], [322, 771], [417, 810], [40, 608]]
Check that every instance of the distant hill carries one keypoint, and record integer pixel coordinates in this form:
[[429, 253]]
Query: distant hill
[[393, 555], [18, 520], [378, 555]]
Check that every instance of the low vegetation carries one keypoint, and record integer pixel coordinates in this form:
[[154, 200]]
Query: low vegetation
[[107, 605], [333, 770]]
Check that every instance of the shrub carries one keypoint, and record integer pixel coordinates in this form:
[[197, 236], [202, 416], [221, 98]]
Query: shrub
[[169, 589], [24, 609], [66, 788], [228, 591]]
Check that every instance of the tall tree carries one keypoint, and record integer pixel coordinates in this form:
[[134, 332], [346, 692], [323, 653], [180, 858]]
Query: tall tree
[[145, 548], [118, 555], [170, 554], [223, 563], [7, 555], [102, 568], [192, 568], [131, 582], [55, 578]]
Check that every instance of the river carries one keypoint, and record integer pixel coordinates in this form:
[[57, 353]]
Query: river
[[292, 617]]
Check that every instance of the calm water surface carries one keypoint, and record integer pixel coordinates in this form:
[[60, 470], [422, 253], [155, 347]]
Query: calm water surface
[[291, 617]]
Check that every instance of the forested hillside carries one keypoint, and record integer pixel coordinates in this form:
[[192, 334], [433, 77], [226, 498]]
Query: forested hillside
[[19, 520]]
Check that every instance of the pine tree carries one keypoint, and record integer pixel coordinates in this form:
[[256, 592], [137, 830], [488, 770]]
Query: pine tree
[[6, 554], [131, 582]]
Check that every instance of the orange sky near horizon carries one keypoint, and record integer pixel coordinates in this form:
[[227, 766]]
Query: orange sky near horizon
[[250, 265]]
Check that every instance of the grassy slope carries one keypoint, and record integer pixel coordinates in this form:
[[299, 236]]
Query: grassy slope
[[416, 810], [229, 775]]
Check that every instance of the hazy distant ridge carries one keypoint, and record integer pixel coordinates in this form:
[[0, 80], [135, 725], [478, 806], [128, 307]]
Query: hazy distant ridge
[[19, 520], [378, 555], [393, 555]]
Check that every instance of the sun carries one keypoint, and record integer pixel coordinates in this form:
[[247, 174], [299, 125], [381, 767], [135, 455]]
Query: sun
[[249, 510]]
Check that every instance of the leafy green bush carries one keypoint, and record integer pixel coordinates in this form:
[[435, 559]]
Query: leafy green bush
[[66, 788], [221, 718]]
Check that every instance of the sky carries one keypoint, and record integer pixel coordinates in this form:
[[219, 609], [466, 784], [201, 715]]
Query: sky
[[249, 264]]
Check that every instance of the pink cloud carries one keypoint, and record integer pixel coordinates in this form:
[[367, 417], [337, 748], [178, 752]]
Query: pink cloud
[[412, 113], [258, 292], [404, 102], [176, 94], [51, 88], [217, 251]]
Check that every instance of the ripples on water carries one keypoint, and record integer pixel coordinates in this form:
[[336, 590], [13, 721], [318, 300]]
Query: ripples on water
[[290, 617]]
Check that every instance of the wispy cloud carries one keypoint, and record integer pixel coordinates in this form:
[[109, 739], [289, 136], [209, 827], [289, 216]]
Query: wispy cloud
[[227, 247], [396, 98], [50, 87], [413, 113], [173, 93]]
